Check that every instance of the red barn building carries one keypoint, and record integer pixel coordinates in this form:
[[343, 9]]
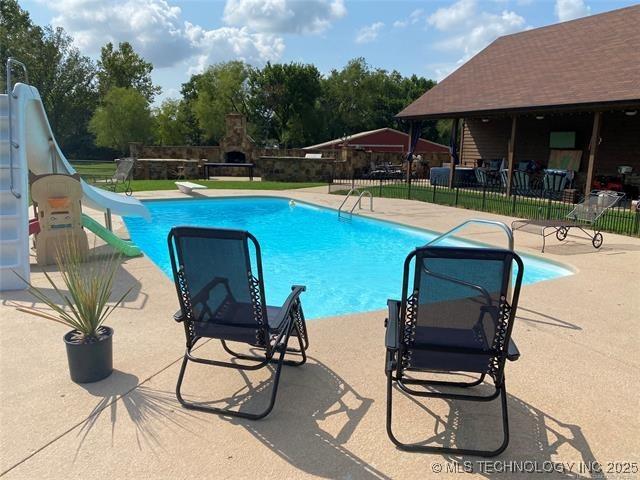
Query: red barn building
[[381, 140]]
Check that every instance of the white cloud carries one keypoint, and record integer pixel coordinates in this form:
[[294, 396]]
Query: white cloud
[[482, 31], [414, 17], [369, 33], [470, 30], [451, 17], [232, 43], [152, 26], [570, 9], [284, 16], [158, 32]]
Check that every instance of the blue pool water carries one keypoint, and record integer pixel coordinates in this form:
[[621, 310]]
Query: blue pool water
[[347, 266]]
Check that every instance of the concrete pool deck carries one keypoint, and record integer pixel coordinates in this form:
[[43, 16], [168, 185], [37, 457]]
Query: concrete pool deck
[[573, 395]]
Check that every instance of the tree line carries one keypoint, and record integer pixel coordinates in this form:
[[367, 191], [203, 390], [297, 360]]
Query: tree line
[[97, 108]]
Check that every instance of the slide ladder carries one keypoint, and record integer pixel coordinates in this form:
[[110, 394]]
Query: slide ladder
[[14, 213]]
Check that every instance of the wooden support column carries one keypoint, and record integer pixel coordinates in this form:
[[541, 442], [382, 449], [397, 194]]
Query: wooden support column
[[461, 150], [511, 153], [453, 144], [593, 147], [412, 125]]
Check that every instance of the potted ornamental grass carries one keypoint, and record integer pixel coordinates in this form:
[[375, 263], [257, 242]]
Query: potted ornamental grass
[[85, 290]]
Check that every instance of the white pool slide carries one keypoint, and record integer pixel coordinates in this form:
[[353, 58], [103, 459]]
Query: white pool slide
[[27, 144]]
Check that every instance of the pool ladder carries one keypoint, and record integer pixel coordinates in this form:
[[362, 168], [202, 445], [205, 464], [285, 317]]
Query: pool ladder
[[507, 231], [479, 221], [358, 202]]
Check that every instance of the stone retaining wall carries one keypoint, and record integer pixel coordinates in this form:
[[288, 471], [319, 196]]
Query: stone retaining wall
[[296, 169], [169, 162]]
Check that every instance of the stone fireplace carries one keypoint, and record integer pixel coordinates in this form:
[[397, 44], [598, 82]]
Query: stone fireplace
[[236, 146], [235, 157]]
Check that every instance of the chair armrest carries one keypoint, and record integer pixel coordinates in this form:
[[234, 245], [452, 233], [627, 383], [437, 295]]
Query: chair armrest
[[513, 353], [178, 316], [283, 314], [391, 338]]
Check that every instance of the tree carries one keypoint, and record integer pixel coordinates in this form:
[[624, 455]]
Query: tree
[[70, 96], [284, 102], [64, 77], [221, 89], [347, 99], [124, 68], [359, 98], [20, 39], [123, 117], [170, 126], [443, 127]]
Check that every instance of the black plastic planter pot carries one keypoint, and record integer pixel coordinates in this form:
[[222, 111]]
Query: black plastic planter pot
[[90, 362]]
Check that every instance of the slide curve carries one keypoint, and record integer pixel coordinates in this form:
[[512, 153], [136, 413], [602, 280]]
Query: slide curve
[[44, 156], [125, 247]]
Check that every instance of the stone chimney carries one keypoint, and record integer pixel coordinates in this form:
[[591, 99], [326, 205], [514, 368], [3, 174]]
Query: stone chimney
[[236, 146]]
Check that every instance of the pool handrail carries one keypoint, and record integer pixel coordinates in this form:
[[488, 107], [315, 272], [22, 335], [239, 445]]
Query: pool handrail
[[504, 227], [358, 201]]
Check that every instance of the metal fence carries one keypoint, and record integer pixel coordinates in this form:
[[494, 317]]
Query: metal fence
[[531, 204]]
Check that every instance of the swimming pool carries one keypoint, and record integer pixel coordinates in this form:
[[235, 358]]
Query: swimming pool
[[347, 266]]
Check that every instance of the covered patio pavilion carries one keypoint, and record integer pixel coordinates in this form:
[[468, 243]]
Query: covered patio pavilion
[[566, 96]]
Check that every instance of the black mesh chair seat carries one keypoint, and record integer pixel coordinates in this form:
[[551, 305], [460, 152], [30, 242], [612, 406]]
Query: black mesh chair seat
[[236, 331], [456, 319], [425, 354], [221, 298]]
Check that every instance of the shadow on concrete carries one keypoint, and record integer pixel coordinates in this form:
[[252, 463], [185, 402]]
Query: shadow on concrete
[[535, 438], [136, 300], [147, 408], [583, 246], [545, 319], [322, 414], [315, 415]]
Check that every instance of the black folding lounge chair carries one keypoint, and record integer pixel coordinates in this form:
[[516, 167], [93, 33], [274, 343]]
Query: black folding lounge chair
[[456, 320], [221, 298]]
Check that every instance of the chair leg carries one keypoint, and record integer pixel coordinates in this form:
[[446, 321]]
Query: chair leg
[[299, 328], [414, 447], [223, 411], [302, 351]]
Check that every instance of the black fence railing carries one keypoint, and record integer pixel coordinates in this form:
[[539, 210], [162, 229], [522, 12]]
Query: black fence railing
[[531, 204]]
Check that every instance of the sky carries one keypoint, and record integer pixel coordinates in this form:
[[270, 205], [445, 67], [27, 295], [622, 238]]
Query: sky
[[427, 38]]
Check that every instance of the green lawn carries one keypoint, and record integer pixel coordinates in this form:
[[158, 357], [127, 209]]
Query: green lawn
[[94, 168], [92, 171], [142, 185]]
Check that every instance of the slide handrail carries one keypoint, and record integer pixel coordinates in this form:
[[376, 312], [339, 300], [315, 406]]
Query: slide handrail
[[10, 63]]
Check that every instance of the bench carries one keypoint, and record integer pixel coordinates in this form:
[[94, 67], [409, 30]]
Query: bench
[[208, 166], [188, 187]]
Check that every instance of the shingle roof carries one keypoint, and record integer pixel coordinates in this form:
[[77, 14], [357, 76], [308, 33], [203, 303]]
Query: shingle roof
[[338, 141], [591, 60], [352, 140]]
